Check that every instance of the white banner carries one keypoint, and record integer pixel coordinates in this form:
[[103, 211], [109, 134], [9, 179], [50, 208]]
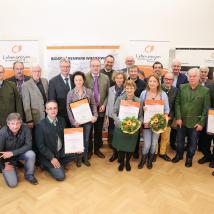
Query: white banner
[[79, 56]]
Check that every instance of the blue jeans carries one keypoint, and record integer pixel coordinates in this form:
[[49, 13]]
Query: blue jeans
[[192, 135], [150, 141], [10, 176], [86, 134]]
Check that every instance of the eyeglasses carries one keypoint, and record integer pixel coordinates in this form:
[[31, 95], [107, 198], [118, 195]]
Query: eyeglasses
[[167, 79]]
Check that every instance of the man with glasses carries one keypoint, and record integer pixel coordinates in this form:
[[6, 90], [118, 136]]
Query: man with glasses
[[15, 145], [49, 136], [59, 86]]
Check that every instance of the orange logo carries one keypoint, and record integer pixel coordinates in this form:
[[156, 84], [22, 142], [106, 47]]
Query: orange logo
[[212, 55], [149, 48], [16, 48]]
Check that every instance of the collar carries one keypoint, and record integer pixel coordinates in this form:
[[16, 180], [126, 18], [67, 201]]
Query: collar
[[51, 120], [107, 71], [76, 90], [93, 75], [195, 87], [65, 77]]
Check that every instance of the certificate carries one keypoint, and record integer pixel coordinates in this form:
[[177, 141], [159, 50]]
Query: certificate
[[210, 121], [128, 109], [151, 108], [81, 111], [73, 140]]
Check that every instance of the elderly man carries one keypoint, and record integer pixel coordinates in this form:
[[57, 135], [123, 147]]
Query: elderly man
[[49, 136], [108, 68], [15, 145], [171, 92], [59, 86], [204, 142], [34, 96], [191, 107], [19, 78], [10, 100], [99, 84]]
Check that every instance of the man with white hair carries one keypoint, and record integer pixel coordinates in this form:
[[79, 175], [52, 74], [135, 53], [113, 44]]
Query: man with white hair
[[204, 142], [34, 96], [191, 107]]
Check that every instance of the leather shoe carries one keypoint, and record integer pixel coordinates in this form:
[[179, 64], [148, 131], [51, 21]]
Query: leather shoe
[[211, 165], [213, 173], [32, 180], [188, 162], [121, 166], [87, 163], [99, 154], [203, 160], [113, 157], [176, 159], [128, 167], [90, 153], [165, 157]]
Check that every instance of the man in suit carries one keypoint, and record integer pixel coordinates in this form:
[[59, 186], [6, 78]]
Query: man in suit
[[179, 79], [191, 107], [130, 61], [19, 78], [34, 96], [10, 100], [205, 140], [99, 84], [108, 68], [59, 86], [49, 136]]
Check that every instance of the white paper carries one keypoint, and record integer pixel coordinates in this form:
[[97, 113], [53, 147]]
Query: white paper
[[128, 111], [151, 110], [210, 124], [74, 142]]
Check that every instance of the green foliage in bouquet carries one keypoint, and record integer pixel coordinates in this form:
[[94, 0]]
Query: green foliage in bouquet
[[130, 125], [158, 123]]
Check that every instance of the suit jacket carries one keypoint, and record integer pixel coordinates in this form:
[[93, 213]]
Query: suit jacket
[[182, 79], [46, 137], [10, 101], [33, 102], [109, 74], [58, 91], [104, 85], [13, 79], [209, 84]]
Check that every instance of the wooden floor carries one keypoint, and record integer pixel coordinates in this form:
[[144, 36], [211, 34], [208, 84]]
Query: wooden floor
[[167, 188]]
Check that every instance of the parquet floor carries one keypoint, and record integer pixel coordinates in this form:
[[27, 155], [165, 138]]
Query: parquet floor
[[167, 188]]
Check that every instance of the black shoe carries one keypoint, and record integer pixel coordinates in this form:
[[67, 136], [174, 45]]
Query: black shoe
[[211, 164], [90, 153], [203, 160], [32, 180], [173, 146], [136, 155], [176, 159], [188, 162], [154, 158], [165, 157], [213, 173], [142, 161], [113, 157], [121, 167], [150, 160], [128, 166], [86, 162], [79, 162], [99, 154]]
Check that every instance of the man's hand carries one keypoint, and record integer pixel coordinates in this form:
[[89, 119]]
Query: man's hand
[[198, 127], [55, 163], [102, 108], [178, 123], [6, 155]]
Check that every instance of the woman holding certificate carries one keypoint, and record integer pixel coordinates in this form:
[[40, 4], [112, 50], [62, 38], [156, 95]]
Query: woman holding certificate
[[114, 92], [126, 107], [155, 101], [82, 111]]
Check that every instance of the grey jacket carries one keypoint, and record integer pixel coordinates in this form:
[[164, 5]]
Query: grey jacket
[[33, 101]]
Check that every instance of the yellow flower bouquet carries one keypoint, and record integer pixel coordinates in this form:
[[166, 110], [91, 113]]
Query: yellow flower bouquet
[[158, 123], [130, 125]]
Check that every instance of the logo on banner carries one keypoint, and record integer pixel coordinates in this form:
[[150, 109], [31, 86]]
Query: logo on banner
[[16, 49], [149, 48]]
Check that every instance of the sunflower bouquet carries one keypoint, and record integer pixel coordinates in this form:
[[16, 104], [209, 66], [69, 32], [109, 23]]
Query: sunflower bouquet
[[130, 125], [158, 123]]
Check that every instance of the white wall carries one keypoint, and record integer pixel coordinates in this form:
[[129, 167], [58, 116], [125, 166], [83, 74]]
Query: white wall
[[185, 23]]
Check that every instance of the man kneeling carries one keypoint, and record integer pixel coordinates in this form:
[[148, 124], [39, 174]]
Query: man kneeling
[[49, 134], [15, 145]]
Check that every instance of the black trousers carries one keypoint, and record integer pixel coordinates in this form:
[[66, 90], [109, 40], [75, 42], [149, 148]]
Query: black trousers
[[97, 128], [173, 137], [110, 131]]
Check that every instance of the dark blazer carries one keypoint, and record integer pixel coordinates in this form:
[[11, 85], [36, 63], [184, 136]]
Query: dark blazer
[[46, 137], [141, 85], [58, 91], [13, 79], [210, 85], [182, 79], [110, 75]]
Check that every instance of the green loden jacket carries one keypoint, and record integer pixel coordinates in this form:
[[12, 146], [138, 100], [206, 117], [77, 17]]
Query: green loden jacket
[[191, 106]]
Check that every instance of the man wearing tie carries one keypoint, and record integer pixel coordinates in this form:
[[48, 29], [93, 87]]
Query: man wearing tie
[[59, 86], [99, 84]]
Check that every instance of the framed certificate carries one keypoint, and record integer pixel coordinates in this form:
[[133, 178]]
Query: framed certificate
[[73, 140], [210, 121], [81, 111], [128, 108], [151, 108]]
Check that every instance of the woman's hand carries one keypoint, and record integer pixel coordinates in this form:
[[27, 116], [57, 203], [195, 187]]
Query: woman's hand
[[94, 119]]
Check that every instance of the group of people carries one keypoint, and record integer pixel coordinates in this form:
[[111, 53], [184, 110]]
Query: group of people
[[35, 112]]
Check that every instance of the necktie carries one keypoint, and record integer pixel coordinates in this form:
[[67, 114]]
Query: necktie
[[96, 91], [59, 143], [67, 84]]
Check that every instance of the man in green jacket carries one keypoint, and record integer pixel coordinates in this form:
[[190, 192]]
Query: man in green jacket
[[191, 107], [10, 100]]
